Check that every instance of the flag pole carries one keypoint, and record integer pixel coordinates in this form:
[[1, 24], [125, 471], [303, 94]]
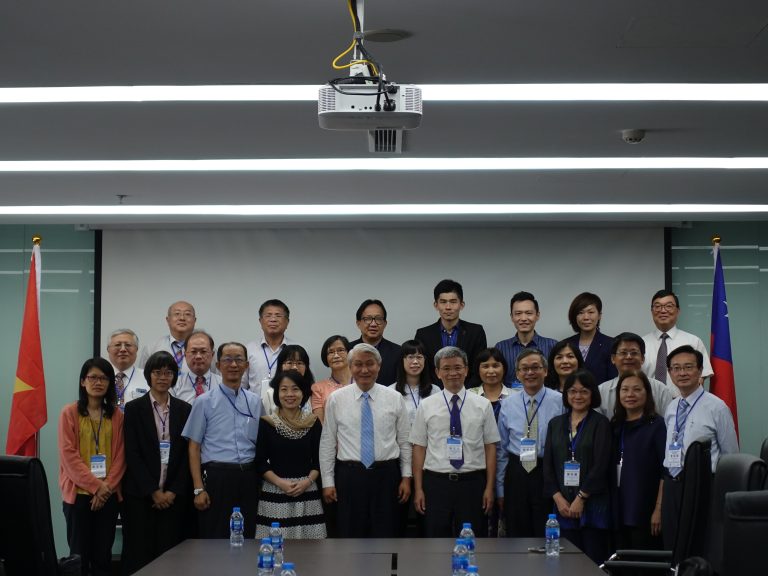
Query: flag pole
[[36, 241]]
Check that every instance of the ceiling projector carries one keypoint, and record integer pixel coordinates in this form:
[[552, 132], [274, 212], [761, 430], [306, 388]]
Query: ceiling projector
[[372, 106]]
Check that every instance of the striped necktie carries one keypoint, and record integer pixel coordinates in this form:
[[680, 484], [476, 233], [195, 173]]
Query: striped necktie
[[661, 360], [367, 452]]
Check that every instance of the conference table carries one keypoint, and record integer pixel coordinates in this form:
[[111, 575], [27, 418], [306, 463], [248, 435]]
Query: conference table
[[372, 557]]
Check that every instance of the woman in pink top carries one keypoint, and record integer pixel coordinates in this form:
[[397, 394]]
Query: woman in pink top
[[334, 355], [91, 466]]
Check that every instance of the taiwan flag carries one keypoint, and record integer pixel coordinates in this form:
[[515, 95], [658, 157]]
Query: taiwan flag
[[722, 383]]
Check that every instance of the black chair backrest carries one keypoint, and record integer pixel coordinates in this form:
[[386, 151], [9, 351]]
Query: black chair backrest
[[744, 536], [692, 533], [764, 451], [26, 532], [735, 473]]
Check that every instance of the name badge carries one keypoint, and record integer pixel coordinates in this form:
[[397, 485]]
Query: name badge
[[99, 466], [454, 448], [139, 392], [165, 451], [265, 383], [527, 450], [572, 473], [675, 455]]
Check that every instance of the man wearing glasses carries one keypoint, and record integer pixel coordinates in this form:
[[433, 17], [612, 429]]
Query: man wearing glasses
[[523, 421], [695, 415], [262, 354], [222, 430], [129, 379], [196, 378], [665, 310], [181, 323], [628, 354], [371, 319]]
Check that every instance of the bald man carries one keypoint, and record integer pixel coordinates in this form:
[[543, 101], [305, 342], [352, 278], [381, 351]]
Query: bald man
[[181, 323]]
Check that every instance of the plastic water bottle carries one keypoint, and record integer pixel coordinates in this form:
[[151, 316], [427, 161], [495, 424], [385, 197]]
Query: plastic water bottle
[[469, 536], [472, 570], [552, 534], [236, 526], [266, 558], [460, 558], [276, 535], [288, 569]]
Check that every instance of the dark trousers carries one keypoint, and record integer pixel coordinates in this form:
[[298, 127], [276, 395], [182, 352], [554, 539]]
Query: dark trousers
[[594, 542], [229, 485], [525, 507], [92, 533], [148, 532], [671, 502], [451, 500], [367, 499], [637, 538]]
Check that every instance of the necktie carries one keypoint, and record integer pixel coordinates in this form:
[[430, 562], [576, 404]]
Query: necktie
[[120, 385], [367, 453], [534, 430], [199, 385], [661, 360], [682, 410], [456, 428], [178, 352]]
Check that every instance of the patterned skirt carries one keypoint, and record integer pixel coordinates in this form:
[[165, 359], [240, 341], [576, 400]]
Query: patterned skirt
[[300, 517]]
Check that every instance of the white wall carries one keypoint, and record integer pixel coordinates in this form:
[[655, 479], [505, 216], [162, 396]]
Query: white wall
[[324, 274]]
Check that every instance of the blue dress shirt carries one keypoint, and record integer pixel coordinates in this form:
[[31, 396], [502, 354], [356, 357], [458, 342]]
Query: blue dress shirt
[[511, 348]]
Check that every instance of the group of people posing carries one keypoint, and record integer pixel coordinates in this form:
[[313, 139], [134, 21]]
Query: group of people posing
[[430, 434]]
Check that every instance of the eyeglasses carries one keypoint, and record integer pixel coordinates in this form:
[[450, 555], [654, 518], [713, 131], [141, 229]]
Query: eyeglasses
[[668, 307], [680, 369], [531, 369], [372, 319], [339, 351], [162, 373], [294, 363], [120, 345], [579, 392], [273, 316], [414, 358], [628, 353], [93, 379], [232, 360], [182, 315]]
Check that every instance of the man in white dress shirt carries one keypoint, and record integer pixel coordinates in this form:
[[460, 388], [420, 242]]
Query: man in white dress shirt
[[365, 456], [274, 317], [454, 439], [196, 377], [665, 310], [181, 323], [695, 415], [129, 379]]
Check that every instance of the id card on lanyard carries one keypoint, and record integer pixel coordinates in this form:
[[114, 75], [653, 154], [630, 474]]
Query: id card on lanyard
[[527, 444], [164, 444], [98, 460], [572, 468]]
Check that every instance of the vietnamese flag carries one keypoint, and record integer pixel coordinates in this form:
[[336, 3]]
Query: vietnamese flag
[[29, 412], [722, 382]]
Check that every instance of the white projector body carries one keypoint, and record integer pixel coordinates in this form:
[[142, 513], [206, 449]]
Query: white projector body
[[337, 111]]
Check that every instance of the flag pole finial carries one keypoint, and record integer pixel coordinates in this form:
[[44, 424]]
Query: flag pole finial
[[716, 239], [36, 240]]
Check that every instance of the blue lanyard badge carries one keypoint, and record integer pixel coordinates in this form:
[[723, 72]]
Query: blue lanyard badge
[[529, 421], [415, 398], [98, 460], [270, 365], [236, 409], [461, 407]]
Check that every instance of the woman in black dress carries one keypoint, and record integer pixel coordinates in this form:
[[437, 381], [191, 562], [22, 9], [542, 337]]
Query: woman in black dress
[[287, 458]]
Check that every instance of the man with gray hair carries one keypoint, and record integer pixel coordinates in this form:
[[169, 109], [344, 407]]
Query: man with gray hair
[[365, 456], [122, 349], [454, 439]]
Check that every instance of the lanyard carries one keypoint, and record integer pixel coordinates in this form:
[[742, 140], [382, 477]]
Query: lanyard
[[270, 365], [121, 393], [250, 414], [525, 411], [192, 382], [575, 439], [415, 399], [461, 406], [162, 420], [679, 426], [95, 433], [621, 444]]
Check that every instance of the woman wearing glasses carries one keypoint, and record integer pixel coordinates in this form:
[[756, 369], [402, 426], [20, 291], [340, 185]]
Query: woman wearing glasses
[[412, 378], [576, 460], [291, 357], [334, 355], [157, 483], [91, 466]]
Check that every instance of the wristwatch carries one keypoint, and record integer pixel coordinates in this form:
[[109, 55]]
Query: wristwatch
[[198, 491]]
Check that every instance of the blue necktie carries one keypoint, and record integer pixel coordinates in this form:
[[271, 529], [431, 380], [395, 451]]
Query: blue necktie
[[456, 428], [367, 452], [682, 410]]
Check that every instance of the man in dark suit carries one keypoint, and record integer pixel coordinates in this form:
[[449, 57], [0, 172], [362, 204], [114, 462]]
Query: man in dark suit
[[371, 319], [156, 485], [450, 330]]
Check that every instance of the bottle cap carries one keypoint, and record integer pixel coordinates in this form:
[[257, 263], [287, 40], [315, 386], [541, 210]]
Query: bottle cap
[[552, 516], [275, 524], [266, 540], [287, 565], [472, 569], [236, 509], [468, 525]]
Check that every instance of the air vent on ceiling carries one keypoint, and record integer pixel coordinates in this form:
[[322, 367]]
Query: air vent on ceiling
[[385, 141]]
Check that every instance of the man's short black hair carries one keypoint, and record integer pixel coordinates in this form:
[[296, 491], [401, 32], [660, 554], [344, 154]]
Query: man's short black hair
[[369, 302], [446, 287]]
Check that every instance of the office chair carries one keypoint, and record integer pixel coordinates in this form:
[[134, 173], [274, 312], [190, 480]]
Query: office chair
[[744, 533], [691, 538]]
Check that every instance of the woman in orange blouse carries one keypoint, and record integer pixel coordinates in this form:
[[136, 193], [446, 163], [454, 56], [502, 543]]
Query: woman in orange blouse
[[91, 465], [334, 355]]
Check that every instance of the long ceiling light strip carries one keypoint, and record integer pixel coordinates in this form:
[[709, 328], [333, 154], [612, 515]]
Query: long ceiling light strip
[[385, 164], [358, 210], [430, 93]]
